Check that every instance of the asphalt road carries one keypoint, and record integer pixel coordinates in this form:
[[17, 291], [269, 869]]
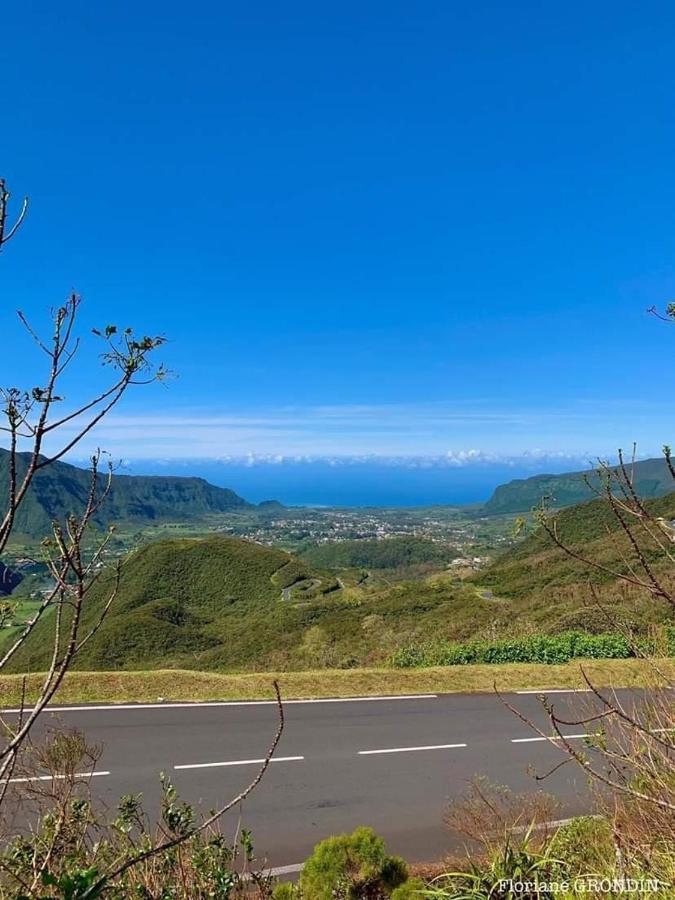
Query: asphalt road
[[392, 763]]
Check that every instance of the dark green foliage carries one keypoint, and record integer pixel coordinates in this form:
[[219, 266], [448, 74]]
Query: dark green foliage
[[223, 604], [60, 489], [216, 604], [549, 649], [157, 631], [352, 866], [652, 479], [393, 553]]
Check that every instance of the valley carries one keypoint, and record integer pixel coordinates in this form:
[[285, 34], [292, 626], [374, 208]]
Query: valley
[[255, 588], [322, 573]]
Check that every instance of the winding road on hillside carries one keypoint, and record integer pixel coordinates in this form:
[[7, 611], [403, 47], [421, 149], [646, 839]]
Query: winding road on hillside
[[392, 762], [302, 587]]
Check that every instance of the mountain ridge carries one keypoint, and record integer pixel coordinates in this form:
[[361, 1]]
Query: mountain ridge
[[62, 488], [652, 479]]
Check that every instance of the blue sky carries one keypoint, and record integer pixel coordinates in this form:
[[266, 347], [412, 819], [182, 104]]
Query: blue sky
[[365, 228]]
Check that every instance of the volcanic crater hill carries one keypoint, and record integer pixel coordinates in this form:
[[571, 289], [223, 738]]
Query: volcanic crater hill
[[61, 488], [221, 603], [182, 599]]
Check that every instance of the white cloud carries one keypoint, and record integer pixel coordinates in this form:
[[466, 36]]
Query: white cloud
[[414, 432]]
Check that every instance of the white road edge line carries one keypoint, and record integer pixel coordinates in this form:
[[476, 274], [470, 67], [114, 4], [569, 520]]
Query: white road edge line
[[571, 737], [52, 777], [285, 870], [411, 749], [239, 762], [558, 691], [554, 738], [210, 703]]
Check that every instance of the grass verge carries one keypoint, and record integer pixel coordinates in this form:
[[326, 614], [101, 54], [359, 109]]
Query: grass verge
[[176, 684]]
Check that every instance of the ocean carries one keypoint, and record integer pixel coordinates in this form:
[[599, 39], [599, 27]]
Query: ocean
[[352, 483]]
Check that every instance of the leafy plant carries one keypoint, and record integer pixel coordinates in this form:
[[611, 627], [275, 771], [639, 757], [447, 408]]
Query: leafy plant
[[351, 866], [501, 877], [412, 889]]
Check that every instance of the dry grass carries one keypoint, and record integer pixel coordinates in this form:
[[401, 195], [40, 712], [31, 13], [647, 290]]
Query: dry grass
[[170, 684]]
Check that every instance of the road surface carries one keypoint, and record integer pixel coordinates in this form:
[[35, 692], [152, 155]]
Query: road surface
[[392, 763]]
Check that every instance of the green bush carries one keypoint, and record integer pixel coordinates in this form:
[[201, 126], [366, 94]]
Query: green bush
[[413, 889], [585, 843], [352, 866], [543, 648]]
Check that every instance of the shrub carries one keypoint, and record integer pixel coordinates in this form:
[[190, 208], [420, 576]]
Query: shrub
[[413, 889], [486, 814], [585, 843], [542, 648], [351, 866]]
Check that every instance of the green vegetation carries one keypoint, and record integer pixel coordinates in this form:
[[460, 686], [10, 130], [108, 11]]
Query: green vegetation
[[537, 569], [582, 858], [79, 849], [222, 604], [348, 865], [518, 862], [558, 648], [206, 603], [578, 859], [393, 553], [218, 604], [585, 842], [652, 479], [60, 489]]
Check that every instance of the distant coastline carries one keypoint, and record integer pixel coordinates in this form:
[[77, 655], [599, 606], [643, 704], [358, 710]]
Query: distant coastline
[[368, 484]]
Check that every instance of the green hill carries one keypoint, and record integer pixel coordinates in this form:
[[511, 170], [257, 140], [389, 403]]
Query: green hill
[[180, 598], [542, 579], [652, 479], [219, 603], [392, 553], [60, 489]]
